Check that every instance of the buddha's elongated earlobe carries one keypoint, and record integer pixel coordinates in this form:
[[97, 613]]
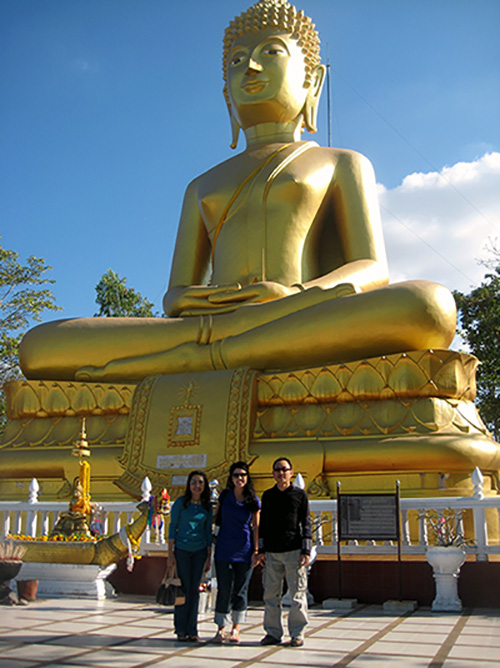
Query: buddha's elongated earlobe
[[235, 128], [310, 111]]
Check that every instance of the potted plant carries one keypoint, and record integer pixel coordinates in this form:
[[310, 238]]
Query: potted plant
[[11, 560], [446, 555]]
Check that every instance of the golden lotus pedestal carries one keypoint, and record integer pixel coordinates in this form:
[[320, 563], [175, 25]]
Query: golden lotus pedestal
[[366, 423]]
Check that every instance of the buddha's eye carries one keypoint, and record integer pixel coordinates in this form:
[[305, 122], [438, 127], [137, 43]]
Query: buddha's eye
[[236, 59], [274, 50]]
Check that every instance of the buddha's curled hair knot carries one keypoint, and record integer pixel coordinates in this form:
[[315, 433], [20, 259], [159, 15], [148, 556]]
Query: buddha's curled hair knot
[[284, 17]]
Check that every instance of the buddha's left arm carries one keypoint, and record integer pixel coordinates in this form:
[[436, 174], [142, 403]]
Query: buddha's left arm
[[355, 211]]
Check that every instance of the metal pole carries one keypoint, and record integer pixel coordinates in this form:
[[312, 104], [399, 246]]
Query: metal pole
[[339, 563], [328, 102], [398, 521]]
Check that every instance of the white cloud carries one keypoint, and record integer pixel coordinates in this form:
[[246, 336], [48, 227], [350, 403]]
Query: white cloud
[[84, 66], [437, 225]]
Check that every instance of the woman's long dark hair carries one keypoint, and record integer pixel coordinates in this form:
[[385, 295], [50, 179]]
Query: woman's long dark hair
[[205, 495], [249, 495]]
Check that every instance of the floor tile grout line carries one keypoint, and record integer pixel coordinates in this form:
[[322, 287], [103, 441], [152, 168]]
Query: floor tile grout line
[[351, 656], [440, 656], [151, 659], [275, 649]]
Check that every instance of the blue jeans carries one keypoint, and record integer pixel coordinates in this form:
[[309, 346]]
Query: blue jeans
[[190, 571], [233, 578]]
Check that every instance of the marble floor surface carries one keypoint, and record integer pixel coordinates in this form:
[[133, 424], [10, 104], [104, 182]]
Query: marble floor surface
[[133, 632]]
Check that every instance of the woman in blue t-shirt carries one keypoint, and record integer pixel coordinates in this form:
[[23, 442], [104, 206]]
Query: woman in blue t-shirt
[[189, 544], [235, 550]]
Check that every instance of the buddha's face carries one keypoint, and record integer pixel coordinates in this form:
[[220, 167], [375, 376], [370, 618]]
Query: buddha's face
[[265, 76]]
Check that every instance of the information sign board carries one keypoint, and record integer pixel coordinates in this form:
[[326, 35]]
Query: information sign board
[[368, 517]]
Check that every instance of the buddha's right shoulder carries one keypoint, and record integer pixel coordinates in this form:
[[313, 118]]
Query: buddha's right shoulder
[[214, 173]]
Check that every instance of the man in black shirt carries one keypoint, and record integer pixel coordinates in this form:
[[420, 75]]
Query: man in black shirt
[[284, 549]]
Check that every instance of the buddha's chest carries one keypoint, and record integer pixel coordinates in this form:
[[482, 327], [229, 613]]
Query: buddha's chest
[[259, 226], [284, 200]]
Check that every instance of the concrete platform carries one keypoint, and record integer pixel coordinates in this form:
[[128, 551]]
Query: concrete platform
[[133, 632]]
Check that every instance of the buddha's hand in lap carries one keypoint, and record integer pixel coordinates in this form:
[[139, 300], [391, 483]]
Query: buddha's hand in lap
[[199, 300], [182, 301], [254, 293], [267, 291]]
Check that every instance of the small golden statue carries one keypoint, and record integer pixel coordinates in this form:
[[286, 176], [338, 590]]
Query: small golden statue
[[280, 259], [76, 519]]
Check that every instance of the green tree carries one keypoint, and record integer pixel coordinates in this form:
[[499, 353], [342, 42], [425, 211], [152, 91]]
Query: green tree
[[479, 317], [115, 300], [23, 299]]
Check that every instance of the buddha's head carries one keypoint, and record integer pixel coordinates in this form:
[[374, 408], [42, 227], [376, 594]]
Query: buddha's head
[[271, 66]]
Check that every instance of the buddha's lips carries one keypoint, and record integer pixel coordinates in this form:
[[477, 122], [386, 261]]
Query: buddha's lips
[[254, 86]]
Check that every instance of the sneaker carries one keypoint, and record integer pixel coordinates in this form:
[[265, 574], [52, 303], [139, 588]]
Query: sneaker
[[270, 640], [297, 642]]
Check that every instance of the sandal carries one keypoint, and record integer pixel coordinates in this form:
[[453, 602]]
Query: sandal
[[235, 638], [218, 638]]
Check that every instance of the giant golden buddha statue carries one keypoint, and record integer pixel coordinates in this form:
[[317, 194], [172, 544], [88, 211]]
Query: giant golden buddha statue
[[279, 262], [279, 259]]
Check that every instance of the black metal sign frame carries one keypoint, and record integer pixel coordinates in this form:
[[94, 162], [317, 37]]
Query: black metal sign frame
[[368, 517]]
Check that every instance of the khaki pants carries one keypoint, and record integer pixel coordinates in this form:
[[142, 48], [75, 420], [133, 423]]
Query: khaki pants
[[280, 565]]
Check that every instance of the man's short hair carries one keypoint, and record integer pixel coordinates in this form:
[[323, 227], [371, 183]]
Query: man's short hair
[[283, 459]]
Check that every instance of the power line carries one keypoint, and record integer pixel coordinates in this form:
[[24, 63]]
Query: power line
[[436, 169], [410, 229]]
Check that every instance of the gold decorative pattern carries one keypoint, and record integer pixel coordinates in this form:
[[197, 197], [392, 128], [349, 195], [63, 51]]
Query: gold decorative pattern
[[318, 488], [239, 421], [63, 431], [137, 423], [368, 418], [425, 373], [185, 420], [234, 397], [41, 399]]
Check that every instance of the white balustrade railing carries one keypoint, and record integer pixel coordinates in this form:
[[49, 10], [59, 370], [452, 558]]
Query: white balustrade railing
[[36, 518]]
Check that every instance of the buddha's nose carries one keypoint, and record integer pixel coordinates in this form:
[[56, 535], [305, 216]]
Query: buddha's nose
[[254, 66]]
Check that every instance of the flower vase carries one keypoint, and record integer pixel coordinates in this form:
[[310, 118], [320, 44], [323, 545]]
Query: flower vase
[[446, 563]]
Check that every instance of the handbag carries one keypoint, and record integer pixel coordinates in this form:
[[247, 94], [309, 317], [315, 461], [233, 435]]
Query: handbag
[[170, 593]]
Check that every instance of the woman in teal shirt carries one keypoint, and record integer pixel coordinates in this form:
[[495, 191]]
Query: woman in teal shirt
[[189, 543]]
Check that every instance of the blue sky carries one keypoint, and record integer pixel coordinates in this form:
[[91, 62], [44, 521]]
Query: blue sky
[[110, 107]]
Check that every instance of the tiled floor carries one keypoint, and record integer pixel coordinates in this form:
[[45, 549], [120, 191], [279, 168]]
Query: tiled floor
[[132, 632]]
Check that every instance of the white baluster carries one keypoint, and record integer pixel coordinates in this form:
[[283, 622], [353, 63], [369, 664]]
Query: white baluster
[[45, 523], [105, 521], [299, 481], [459, 517], [480, 528], [6, 523], [146, 488], [405, 522], [477, 479], [422, 528], [335, 535], [31, 515], [34, 488], [17, 521]]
